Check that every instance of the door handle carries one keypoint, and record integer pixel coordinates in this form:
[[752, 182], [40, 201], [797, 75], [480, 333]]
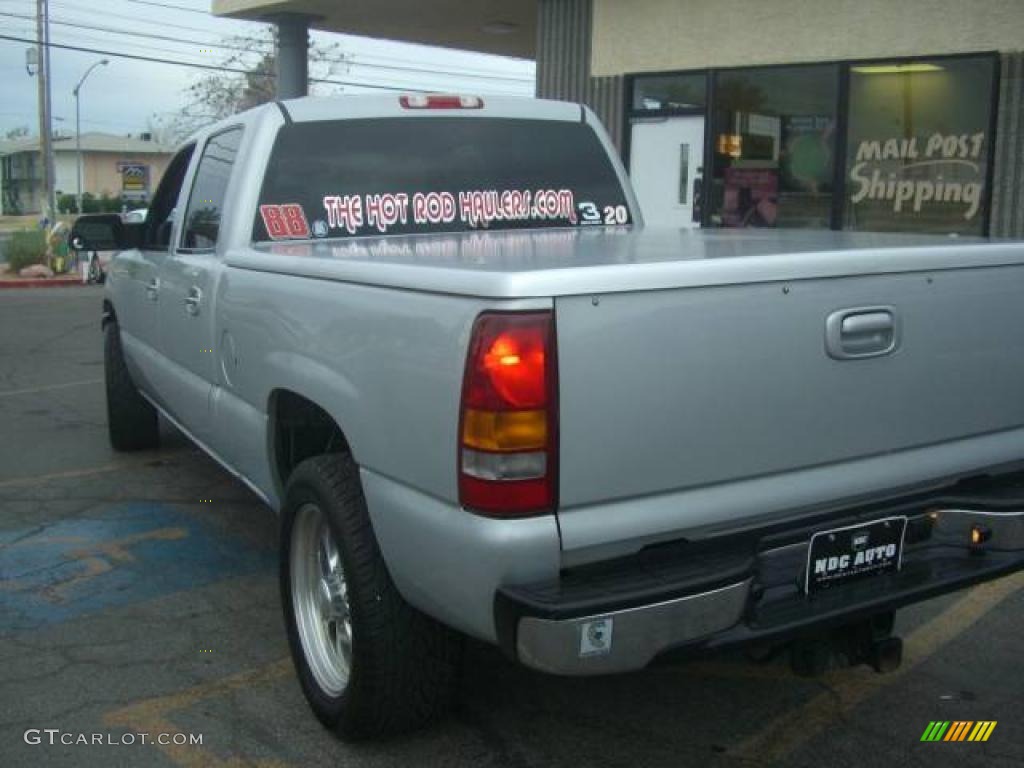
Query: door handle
[[861, 332], [153, 289], [192, 301]]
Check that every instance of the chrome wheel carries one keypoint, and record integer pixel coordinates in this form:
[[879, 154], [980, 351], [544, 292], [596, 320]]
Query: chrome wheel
[[320, 600]]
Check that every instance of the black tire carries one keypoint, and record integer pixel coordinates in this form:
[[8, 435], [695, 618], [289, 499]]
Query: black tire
[[404, 665], [132, 422], [94, 268]]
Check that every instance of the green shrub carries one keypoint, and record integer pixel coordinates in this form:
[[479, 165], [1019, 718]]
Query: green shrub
[[67, 204], [89, 203], [93, 204], [24, 249], [110, 204]]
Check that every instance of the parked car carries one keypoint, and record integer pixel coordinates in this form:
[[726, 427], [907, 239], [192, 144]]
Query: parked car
[[135, 216], [433, 334]]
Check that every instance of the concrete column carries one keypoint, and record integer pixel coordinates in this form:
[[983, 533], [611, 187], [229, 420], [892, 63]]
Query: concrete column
[[292, 52], [1007, 216], [563, 62]]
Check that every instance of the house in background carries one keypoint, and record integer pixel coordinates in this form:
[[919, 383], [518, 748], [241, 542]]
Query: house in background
[[125, 167]]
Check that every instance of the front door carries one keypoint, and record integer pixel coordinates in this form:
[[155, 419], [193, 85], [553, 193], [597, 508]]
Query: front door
[[138, 272], [666, 159], [188, 281]]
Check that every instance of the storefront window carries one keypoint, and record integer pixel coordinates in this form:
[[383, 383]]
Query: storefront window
[[918, 145], [774, 146], [669, 92]]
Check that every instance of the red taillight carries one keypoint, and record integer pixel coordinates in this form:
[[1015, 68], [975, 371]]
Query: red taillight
[[508, 431], [440, 101]]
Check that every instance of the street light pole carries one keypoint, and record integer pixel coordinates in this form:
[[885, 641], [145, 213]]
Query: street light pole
[[78, 131]]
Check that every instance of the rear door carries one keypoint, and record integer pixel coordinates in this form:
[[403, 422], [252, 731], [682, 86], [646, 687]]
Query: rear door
[[187, 282]]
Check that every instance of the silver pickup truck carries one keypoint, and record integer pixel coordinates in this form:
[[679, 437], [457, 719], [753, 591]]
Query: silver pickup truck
[[432, 332]]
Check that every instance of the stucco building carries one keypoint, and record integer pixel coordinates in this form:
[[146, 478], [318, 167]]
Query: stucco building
[[116, 166], [843, 114]]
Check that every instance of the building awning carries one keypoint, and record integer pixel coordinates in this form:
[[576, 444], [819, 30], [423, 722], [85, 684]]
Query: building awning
[[506, 28]]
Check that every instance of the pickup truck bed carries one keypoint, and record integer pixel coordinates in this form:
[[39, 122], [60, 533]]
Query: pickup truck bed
[[698, 394]]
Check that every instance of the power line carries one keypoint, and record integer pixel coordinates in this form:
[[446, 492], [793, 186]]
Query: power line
[[131, 33], [122, 55], [76, 37], [235, 70], [250, 50], [75, 8], [349, 60], [345, 59], [177, 8], [213, 67]]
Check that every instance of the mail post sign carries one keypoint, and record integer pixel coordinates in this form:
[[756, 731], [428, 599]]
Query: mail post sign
[[911, 174]]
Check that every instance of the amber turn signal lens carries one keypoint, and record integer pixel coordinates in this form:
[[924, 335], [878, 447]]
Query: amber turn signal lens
[[504, 430]]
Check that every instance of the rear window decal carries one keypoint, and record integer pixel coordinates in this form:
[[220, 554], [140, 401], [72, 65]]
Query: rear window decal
[[344, 211], [285, 222], [475, 208], [385, 176]]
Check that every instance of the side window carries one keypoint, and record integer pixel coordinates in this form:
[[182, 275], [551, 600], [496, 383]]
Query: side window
[[205, 204], [160, 217]]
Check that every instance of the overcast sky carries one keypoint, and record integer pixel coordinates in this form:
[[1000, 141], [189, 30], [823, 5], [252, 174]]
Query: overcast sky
[[122, 97]]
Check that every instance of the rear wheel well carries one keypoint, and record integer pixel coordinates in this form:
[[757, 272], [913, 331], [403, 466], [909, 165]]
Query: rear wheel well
[[301, 429]]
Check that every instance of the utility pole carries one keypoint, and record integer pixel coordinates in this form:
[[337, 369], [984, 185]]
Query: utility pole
[[51, 173], [45, 132]]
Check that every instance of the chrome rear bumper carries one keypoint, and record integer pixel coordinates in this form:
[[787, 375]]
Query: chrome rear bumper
[[628, 639], [759, 595]]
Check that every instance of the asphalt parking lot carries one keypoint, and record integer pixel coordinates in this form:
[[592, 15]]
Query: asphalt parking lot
[[138, 594]]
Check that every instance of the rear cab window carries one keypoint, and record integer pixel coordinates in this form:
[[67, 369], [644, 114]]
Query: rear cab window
[[209, 190], [394, 176]]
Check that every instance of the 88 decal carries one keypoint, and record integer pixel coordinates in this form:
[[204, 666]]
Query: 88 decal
[[285, 222]]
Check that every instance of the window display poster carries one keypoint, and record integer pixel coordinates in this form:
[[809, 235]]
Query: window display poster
[[751, 197]]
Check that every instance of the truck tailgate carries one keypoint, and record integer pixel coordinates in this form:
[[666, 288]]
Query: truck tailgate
[[694, 410]]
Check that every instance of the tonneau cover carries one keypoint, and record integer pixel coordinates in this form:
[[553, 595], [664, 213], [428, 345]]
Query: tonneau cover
[[565, 262]]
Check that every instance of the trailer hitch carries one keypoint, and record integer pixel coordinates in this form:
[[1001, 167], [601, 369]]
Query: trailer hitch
[[868, 642]]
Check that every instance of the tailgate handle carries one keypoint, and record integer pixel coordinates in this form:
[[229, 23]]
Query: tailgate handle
[[861, 332]]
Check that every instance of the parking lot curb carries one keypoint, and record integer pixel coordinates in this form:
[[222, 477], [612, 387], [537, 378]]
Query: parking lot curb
[[40, 282]]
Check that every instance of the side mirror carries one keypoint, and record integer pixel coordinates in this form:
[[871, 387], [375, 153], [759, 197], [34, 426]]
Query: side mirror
[[104, 232]]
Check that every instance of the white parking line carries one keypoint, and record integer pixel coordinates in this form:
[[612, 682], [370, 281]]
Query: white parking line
[[49, 387]]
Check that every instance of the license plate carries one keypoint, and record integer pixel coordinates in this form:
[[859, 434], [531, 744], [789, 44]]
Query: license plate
[[846, 554]]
